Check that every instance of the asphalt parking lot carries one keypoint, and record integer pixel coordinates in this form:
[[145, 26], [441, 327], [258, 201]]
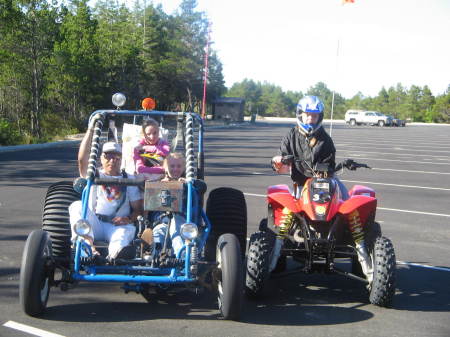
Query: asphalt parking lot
[[410, 173]]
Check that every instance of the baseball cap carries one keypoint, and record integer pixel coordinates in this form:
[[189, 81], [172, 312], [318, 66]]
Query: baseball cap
[[112, 147]]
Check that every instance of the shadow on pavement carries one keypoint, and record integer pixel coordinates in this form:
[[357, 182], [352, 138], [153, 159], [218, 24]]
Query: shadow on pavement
[[182, 305], [420, 289], [299, 299]]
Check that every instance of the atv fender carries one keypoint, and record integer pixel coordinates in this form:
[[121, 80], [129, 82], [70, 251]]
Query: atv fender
[[363, 204], [361, 190], [281, 195]]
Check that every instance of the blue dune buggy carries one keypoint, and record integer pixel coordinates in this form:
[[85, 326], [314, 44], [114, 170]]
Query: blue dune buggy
[[214, 240]]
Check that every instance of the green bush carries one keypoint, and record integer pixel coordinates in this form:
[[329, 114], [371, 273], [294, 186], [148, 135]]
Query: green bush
[[9, 135], [56, 127]]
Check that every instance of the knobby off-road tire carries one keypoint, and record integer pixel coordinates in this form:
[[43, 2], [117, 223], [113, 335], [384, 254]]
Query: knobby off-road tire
[[267, 224], [259, 253], [371, 233], [55, 216], [35, 276], [229, 258], [382, 288], [227, 211]]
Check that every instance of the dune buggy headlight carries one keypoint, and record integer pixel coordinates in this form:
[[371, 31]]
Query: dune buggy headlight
[[119, 99], [189, 231], [82, 227]]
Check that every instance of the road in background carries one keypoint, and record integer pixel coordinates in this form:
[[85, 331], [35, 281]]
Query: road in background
[[411, 176]]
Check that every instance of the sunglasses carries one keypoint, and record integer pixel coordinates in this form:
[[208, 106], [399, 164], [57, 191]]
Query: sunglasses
[[112, 156]]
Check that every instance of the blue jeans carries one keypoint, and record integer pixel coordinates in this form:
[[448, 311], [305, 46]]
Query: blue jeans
[[160, 230]]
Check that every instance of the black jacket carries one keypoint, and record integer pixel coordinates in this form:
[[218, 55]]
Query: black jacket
[[321, 150]]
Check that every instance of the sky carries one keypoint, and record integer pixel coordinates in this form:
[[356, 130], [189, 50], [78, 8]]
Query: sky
[[352, 48]]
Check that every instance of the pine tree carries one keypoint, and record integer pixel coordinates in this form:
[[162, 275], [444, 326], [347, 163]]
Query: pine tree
[[76, 64]]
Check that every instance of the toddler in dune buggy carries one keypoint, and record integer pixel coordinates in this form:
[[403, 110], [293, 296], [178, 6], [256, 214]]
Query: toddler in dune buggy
[[181, 244], [166, 225]]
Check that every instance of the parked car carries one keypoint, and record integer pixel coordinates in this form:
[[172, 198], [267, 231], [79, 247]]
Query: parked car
[[358, 117], [397, 121]]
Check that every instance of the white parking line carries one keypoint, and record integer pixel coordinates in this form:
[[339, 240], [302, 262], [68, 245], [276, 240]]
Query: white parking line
[[381, 208], [423, 266], [377, 141], [409, 171], [396, 185], [397, 154], [397, 148], [255, 195], [415, 212], [396, 160], [30, 330]]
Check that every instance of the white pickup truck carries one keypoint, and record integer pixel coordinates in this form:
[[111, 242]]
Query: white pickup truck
[[358, 117]]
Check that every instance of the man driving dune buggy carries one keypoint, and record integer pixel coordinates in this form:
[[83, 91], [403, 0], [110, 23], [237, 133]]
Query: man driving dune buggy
[[212, 241]]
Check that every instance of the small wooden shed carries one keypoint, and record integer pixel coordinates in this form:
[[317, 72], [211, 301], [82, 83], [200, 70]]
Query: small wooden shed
[[229, 108]]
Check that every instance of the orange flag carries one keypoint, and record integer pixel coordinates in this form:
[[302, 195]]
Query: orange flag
[[347, 1]]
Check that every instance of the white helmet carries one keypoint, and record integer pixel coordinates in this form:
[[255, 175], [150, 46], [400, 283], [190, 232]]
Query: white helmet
[[309, 104]]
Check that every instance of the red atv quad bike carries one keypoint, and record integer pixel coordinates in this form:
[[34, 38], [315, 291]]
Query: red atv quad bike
[[319, 225]]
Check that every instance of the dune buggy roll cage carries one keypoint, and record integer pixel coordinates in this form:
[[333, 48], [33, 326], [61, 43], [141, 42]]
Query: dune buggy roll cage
[[133, 272]]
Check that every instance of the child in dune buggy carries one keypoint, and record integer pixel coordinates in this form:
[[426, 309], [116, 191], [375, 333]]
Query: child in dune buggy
[[166, 225]]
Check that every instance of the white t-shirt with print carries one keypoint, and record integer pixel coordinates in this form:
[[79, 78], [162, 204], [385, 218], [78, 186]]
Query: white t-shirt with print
[[109, 198]]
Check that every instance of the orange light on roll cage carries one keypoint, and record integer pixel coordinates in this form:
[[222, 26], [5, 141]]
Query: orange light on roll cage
[[148, 103]]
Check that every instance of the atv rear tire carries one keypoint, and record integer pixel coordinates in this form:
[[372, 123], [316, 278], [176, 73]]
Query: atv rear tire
[[227, 211], [382, 288], [55, 216], [260, 250], [229, 262]]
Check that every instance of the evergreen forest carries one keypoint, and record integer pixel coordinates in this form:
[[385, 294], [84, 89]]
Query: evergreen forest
[[59, 61]]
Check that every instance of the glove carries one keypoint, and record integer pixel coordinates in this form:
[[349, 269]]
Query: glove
[[79, 184], [94, 119], [276, 163], [350, 164]]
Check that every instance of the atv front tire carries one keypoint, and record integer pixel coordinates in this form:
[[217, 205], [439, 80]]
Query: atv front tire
[[382, 288], [35, 273], [227, 211], [260, 250], [55, 217], [229, 262]]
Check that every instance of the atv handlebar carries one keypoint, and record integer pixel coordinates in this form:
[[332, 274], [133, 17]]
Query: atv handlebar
[[349, 164]]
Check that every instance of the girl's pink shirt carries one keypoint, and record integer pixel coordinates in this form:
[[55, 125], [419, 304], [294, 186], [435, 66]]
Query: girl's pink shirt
[[161, 148]]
